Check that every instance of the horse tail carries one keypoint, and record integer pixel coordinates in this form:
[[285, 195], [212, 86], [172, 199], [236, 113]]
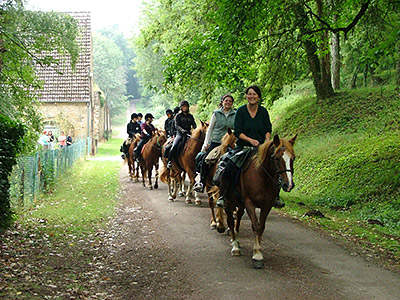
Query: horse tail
[[164, 174]]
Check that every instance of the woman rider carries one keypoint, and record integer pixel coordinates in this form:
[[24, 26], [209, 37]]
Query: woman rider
[[148, 130], [221, 119], [252, 128], [184, 121]]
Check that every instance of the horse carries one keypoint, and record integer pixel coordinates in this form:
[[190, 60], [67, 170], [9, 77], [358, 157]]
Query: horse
[[228, 141], [185, 162], [134, 174], [260, 181], [150, 157]]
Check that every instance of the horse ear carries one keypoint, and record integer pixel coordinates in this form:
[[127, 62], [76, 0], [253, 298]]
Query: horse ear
[[293, 139], [229, 131], [202, 123], [277, 141]]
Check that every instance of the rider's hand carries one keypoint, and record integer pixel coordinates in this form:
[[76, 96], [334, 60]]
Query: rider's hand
[[254, 143]]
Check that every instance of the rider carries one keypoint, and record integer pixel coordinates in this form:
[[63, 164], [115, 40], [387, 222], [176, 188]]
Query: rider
[[252, 128], [184, 121], [148, 131], [140, 121], [132, 128], [221, 119], [168, 125]]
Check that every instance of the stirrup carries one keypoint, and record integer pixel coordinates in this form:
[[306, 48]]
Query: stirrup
[[169, 165], [221, 202], [198, 187], [278, 203]]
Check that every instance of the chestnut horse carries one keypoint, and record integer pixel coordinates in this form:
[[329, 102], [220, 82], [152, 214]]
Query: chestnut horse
[[151, 154], [186, 162], [228, 140], [260, 181], [134, 174]]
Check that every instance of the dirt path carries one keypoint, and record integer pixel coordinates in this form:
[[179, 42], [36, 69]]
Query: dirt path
[[170, 253]]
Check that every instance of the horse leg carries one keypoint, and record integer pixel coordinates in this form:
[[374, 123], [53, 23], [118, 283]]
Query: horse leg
[[220, 220], [189, 193], [213, 225], [181, 179], [136, 172], [157, 175], [239, 215], [143, 170], [149, 169], [234, 237]]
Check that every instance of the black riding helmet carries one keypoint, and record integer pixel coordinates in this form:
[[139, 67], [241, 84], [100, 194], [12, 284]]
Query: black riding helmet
[[148, 116], [183, 102], [168, 111], [134, 116]]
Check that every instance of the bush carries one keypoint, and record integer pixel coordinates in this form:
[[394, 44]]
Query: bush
[[11, 134]]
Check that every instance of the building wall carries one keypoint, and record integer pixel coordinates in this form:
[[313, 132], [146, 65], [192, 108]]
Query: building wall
[[67, 116]]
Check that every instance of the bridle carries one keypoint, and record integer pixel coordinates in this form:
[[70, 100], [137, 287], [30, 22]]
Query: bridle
[[277, 172]]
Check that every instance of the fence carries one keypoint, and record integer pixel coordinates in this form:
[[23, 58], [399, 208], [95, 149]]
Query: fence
[[35, 174]]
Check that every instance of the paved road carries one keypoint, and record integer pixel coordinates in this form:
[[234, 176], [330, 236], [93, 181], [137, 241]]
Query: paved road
[[299, 263]]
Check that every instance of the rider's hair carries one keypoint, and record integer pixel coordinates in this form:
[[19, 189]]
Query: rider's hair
[[255, 88], [223, 98]]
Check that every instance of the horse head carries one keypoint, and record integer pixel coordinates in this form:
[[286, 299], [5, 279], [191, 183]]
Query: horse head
[[282, 159], [276, 158], [229, 139]]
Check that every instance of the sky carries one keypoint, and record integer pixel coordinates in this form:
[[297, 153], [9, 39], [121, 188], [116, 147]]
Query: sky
[[124, 13]]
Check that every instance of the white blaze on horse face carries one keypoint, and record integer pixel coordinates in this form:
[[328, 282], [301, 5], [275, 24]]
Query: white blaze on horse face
[[286, 158]]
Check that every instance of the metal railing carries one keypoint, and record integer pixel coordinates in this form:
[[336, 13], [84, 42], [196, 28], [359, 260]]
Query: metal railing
[[36, 174]]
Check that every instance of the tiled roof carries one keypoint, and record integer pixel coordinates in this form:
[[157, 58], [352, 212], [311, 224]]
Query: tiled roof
[[70, 86]]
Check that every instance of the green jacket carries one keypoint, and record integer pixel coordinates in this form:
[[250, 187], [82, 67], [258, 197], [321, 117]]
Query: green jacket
[[222, 122]]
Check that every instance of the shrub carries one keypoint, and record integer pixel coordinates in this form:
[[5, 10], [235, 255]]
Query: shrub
[[11, 134]]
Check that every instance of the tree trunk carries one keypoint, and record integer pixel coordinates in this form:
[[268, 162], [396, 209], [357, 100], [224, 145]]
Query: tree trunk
[[354, 78], [320, 69], [335, 65], [398, 65], [366, 75]]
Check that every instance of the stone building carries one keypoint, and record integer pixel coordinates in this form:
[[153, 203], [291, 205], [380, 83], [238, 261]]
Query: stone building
[[68, 100]]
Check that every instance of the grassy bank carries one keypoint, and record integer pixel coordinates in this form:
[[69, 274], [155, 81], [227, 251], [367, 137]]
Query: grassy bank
[[347, 164], [51, 250]]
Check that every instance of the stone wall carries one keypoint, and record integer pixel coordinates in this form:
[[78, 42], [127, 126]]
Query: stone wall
[[66, 117]]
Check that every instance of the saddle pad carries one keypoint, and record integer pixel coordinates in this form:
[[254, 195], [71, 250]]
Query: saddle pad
[[213, 156]]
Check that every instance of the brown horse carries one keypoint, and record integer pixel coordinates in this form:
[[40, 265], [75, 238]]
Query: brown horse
[[150, 157], [185, 162], [228, 141], [260, 181], [133, 173]]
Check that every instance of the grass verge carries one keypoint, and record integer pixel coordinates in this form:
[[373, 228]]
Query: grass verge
[[50, 253]]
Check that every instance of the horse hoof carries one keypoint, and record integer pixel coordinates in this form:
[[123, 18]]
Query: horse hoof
[[258, 264], [188, 201], [236, 252], [170, 199], [228, 232], [180, 194], [150, 187], [213, 227], [221, 229], [134, 180], [156, 186], [197, 202]]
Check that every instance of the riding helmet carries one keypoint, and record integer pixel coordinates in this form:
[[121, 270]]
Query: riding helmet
[[148, 116], [168, 111], [134, 116], [183, 102]]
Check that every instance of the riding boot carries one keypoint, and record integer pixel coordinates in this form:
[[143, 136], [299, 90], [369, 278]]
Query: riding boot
[[223, 191]]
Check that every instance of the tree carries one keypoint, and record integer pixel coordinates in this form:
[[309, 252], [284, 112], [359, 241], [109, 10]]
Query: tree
[[24, 35], [109, 72], [230, 43]]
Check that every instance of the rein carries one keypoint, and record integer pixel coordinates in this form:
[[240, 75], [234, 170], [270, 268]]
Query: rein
[[278, 183]]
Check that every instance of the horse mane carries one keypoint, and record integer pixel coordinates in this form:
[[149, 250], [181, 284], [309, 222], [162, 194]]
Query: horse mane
[[226, 140], [262, 152], [196, 133]]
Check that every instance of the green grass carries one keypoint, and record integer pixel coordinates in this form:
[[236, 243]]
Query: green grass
[[111, 148], [84, 199], [348, 158]]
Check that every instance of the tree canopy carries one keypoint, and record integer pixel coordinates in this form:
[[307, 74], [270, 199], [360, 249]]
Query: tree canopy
[[24, 35], [216, 45]]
